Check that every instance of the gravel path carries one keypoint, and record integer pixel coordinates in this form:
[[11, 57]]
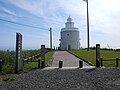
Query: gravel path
[[68, 59], [62, 79]]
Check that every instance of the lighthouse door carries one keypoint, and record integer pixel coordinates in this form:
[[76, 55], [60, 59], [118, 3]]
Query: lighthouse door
[[69, 47]]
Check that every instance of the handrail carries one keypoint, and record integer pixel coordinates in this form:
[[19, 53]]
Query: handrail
[[110, 59]]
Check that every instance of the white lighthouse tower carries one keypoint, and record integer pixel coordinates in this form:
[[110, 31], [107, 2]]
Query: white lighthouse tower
[[69, 36]]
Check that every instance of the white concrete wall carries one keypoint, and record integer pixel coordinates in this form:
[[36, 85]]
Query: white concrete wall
[[69, 36], [70, 40]]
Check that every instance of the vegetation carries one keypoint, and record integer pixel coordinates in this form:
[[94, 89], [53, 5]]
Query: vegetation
[[7, 77], [91, 55], [29, 53], [49, 56], [34, 65], [8, 66], [8, 59]]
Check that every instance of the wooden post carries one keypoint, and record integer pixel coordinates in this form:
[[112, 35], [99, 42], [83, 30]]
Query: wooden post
[[60, 64], [30, 58], [39, 63], [34, 57], [42, 64], [80, 64], [101, 59], [0, 65], [43, 55], [117, 62], [27, 60], [97, 55]]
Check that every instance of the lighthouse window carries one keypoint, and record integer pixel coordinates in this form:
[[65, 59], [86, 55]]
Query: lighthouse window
[[68, 34]]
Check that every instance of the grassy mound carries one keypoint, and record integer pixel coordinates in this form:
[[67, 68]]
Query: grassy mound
[[91, 56]]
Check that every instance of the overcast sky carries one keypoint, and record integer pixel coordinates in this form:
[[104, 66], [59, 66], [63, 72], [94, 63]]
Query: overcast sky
[[104, 21]]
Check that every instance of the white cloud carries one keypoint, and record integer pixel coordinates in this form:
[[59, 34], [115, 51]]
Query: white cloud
[[33, 7], [7, 14], [104, 14], [8, 11]]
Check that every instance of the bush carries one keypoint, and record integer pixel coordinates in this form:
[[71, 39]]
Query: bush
[[8, 58]]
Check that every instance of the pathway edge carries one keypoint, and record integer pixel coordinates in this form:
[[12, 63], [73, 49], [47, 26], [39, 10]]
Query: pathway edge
[[82, 59]]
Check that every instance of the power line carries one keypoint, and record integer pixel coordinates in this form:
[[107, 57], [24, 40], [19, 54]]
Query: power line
[[48, 19], [23, 24]]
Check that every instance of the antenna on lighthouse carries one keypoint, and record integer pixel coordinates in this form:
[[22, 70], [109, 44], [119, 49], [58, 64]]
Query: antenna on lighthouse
[[108, 46]]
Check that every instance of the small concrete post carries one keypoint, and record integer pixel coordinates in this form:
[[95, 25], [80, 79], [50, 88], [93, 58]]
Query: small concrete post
[[60, 64], [97, 55], [80, 64]]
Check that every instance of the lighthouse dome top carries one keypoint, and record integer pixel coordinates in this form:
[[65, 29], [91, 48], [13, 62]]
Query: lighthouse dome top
[[69, 19], [69, 25]]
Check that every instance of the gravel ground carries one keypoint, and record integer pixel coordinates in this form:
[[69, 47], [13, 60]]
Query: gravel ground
[[66, 79]]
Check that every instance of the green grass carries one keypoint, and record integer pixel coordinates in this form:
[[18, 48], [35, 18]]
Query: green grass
[[49, 56], [29, 66], [7, 77], [91, 56], [8, 69], [34, 65], [8, 58]]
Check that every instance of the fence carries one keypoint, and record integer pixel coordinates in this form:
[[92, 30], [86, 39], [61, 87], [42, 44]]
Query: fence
[[110, 59], [42, 55], [99, 61], [30, 59], [20, 62]]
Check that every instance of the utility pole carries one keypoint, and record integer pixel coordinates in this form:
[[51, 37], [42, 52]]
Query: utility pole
[[88, 40], [50, 38]]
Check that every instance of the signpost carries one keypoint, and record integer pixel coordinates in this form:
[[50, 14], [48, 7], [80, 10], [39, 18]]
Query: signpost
[[19, 61]]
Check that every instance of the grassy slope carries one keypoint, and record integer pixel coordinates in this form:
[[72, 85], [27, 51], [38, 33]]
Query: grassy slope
[[49, 56], [91, 56]]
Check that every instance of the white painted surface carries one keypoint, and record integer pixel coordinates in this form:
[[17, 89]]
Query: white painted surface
[[70, 38]]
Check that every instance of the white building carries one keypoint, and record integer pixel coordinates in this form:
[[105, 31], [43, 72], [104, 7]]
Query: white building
[[69, 36]]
